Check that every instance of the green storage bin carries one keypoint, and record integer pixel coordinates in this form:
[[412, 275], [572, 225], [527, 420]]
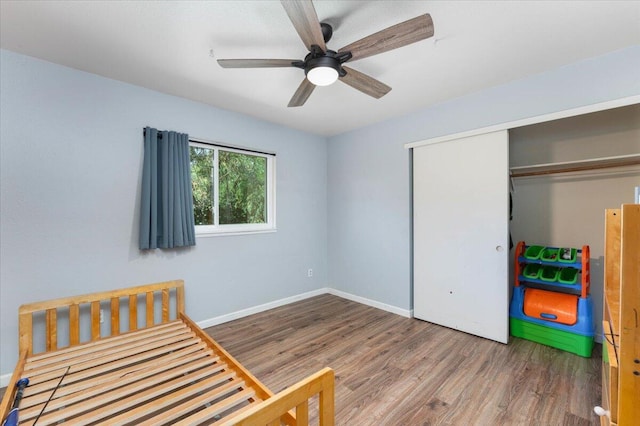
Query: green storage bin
[[567, 255], [533, 252], [568, 276], [549, 273], [532, 270], [550, 254], [564, 340]]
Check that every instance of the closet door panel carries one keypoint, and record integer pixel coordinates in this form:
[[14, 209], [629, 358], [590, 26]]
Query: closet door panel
[[461, 234]]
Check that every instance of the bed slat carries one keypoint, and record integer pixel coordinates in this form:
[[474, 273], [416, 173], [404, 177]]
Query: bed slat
[[133, 312], [45, 357], [174, 397], [124, 388], [115, 316], [117, 349], [95, 320], [77, 382], [120, 377], [168, 416], [52, 334], [149, 309], [74, 325], [115, 404], [220, 407], [165, 305], [180, 300], [113, 362]]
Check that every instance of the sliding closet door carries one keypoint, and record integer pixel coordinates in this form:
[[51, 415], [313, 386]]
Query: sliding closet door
[[461, 234]]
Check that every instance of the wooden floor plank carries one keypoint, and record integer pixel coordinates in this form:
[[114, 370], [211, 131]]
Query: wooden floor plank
[[392, 370]]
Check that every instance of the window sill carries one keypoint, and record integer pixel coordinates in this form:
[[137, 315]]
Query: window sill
[[233, 232]]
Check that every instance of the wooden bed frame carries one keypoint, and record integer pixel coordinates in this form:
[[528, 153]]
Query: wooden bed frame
[[168, 371]]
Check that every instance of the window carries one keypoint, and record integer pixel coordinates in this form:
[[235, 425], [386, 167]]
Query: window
[[233, 189]]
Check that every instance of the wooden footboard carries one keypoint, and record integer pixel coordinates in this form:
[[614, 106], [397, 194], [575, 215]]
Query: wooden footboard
[[155, 367]]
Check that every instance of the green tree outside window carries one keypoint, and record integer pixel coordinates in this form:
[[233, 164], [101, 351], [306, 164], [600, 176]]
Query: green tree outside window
[[242, 187]]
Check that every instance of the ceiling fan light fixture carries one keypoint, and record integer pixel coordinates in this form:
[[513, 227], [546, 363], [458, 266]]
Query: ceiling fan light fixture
[[323, 70], [322, 76]]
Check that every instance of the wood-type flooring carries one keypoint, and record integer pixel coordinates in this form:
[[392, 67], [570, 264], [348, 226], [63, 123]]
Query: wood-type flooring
[[392, 370]]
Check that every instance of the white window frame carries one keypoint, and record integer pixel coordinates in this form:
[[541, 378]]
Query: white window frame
[[238, 229]]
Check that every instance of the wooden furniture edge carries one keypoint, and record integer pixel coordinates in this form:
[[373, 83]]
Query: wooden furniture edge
[[295, 396], [611, 295], [105, 295], [262, 391], [10, 392], [629, 352]]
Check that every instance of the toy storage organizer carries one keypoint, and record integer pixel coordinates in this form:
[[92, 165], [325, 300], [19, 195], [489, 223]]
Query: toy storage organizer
[[551, 301]]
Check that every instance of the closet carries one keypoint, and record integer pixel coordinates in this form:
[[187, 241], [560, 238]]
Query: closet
[[461, 225], [565, 174]]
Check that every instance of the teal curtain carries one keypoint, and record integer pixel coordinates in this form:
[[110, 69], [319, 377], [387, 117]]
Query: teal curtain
[[166, 211]]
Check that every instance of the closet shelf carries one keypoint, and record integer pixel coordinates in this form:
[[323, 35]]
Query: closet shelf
[[575, 166]]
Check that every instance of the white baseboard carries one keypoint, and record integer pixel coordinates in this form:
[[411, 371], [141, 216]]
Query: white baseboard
[[210, 322], [407, 313], [4, 379], [260, 308]]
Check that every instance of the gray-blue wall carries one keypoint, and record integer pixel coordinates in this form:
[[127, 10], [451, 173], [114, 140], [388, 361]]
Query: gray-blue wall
[[71, 153], [369, 178]]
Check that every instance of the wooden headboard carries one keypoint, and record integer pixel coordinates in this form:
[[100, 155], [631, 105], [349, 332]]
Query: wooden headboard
[[134, 296]]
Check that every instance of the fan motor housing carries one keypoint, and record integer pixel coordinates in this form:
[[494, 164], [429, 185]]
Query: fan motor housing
[[318, 58], [322, 61]]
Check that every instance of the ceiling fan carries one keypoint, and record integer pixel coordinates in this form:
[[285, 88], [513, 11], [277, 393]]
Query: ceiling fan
[[323, 66]]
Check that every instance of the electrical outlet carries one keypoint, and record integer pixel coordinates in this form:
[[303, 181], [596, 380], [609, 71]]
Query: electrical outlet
[[310, 273], [101, 316]]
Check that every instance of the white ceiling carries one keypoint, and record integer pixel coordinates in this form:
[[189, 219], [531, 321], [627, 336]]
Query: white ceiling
[[171, 47]]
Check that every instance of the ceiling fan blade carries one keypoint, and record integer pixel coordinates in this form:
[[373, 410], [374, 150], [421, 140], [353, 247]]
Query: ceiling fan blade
[[305, 20], [396, 36], [364, 83], [302, 94], [256, 63]]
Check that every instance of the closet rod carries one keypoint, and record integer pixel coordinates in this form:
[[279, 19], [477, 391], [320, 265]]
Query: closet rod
[[575, 166]]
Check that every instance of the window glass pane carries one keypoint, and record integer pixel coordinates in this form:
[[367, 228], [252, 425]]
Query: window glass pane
[[202, 184], [243, 188]]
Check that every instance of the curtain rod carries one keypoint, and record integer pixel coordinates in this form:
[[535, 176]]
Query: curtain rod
[[219, 145]]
